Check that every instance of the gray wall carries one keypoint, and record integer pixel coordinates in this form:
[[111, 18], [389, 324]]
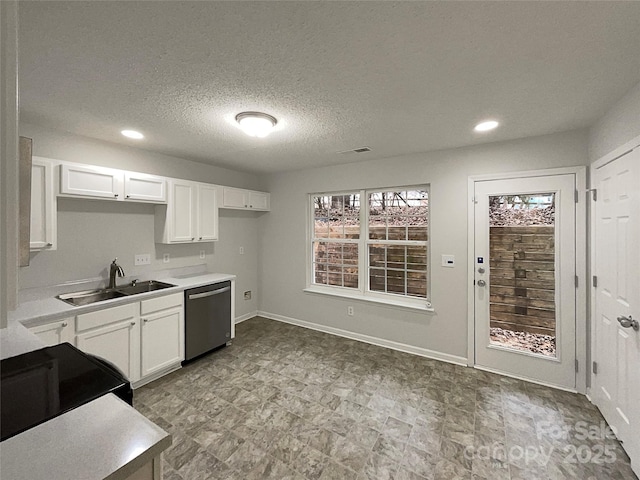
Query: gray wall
[[283, 235], [91, 232], [619, 125]]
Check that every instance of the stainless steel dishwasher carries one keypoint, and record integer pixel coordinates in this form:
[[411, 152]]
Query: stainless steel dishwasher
[[207, 322]]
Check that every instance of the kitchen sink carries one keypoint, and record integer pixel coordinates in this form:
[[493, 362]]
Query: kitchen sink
[[91, 296], [143, 287], [94, 296]]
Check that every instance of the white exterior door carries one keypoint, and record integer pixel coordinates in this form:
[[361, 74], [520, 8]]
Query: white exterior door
[[524, 278], [616, 343]]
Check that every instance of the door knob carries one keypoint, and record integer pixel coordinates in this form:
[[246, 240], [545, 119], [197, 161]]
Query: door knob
[[481, 283], [628, 322], [481, 270]]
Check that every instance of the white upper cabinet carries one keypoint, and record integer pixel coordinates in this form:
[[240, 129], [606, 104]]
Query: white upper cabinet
[[259, 201], [145, 188], [90, 181], [191, 214], [207, 212], [43, 206], [111, 184], [244, 199]]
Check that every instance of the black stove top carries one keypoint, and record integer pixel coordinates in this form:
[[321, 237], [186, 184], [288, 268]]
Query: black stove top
[[40, 385]]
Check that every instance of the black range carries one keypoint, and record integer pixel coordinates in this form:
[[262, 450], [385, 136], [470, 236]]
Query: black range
[[40, 385]]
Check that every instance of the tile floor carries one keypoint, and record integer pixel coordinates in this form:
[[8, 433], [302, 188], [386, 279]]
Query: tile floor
[[285, 402]]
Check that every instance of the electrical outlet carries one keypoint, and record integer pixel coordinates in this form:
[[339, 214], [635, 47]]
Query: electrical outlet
[[166, 258], [202, 254], [247, 295], [142, 259], [350, 311], [241, 250]]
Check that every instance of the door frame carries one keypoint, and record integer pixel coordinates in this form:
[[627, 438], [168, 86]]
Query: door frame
[[582, 338], [602, 161]]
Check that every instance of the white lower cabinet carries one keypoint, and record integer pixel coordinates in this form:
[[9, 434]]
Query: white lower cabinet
[[57, 332], [113, 334], [162, 333], [144, 339]]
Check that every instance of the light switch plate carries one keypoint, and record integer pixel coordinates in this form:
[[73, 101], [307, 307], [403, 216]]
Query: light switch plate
[[448, 261]]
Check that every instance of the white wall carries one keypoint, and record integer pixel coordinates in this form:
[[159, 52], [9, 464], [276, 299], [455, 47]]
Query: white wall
[[619, 125], [283, 235], [91, 232]]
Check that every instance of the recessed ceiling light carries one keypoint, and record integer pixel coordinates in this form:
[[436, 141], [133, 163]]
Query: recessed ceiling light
[[486, 126], [132, 134], [256, 124]]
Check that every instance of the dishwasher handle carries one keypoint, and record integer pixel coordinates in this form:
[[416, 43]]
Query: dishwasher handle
[[195, 296]]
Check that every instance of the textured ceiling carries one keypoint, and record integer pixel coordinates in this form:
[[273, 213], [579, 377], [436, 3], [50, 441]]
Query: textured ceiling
[[398, 77]]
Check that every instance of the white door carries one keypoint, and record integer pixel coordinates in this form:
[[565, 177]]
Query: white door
[[161, 341], [616, 343], [43, 206], [117, 343], [207, 213], [234, 198], [524, 299], [90, 181], [259, 200], [146, 188], [183, 217]]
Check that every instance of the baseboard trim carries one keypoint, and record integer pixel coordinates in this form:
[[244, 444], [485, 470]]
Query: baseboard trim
[[380, 342], [246, 316], [525, 379]]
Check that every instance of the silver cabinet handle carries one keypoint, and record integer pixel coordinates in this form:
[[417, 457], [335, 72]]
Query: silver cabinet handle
[[49, 244], [145, 320], [128, 196], [209, 294], [193, 238], [200, 238], [481, 283], [64, 324], [629, 322], [133, 323], [115, 195]]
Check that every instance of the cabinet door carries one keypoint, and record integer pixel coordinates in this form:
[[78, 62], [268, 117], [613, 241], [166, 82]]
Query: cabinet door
[[118, 343], [88, 181], [183, 211], [259, 201], [145, 188], [162, 340], [207, 213], [43, 206], [55, 333], [234, 197]]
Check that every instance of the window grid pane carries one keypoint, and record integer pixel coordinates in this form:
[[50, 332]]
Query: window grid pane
[[396, 239]]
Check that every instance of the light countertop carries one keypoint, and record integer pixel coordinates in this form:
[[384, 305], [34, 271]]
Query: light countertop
[[49, 308], [103, 439]]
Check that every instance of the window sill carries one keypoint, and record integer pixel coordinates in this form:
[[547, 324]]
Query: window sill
[[392, 302]]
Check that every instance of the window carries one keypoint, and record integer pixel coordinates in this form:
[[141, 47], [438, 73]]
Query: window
[[371, 243]]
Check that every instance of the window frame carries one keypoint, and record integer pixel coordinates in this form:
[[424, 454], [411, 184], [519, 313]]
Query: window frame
[[363, 292]]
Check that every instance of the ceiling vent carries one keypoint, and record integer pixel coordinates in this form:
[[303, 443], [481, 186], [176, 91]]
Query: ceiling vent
[[356, 150]]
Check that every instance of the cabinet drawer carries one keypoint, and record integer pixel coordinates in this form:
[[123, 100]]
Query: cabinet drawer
[[105, 317], [161, 303]]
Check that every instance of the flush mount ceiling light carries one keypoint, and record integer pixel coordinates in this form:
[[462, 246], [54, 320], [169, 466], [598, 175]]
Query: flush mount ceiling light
[[486, 126], [132, 134], [256, 124]]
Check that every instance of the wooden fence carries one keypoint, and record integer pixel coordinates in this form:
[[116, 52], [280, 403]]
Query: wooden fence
[[522, 291]]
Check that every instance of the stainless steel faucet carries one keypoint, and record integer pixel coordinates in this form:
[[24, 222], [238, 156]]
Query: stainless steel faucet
[[113, 270]]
